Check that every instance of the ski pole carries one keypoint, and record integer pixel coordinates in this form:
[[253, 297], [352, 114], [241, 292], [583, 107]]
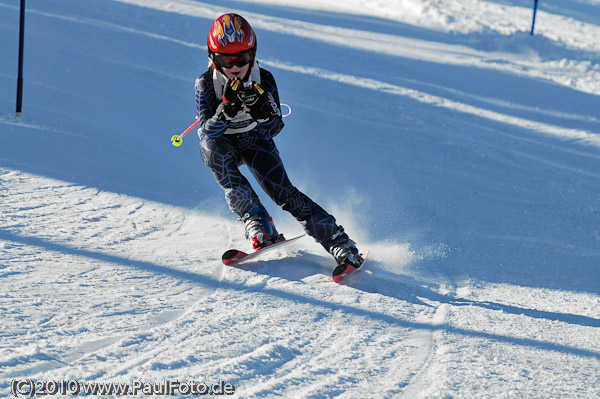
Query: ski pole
[[177, 139]]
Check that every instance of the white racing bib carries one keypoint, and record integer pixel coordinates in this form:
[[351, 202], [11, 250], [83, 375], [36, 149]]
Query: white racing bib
[[242, 122]]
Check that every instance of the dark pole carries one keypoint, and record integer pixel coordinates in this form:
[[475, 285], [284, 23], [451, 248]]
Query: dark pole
[[534, 12], [21, 45]]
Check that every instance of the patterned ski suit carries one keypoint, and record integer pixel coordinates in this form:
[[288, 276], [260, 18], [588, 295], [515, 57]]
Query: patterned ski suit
[[225, 145]]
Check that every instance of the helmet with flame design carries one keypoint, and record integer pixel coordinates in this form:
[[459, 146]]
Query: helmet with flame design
[[231, 41]]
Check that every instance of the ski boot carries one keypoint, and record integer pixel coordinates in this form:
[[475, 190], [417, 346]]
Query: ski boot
[[344, 252], [260, 230]]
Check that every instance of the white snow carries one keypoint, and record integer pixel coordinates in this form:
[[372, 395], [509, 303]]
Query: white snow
[[461, 151]]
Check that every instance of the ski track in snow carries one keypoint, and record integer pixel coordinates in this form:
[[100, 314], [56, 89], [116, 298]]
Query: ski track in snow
[[61, 240], [150, 311], [148, 302]]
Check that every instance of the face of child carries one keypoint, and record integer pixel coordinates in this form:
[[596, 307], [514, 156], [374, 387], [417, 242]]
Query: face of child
[[236, 71]]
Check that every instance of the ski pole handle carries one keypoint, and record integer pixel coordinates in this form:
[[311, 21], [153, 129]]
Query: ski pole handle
[[177, 139]]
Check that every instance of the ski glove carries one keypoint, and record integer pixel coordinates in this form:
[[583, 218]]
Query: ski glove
[[257, 101], [232, 102]]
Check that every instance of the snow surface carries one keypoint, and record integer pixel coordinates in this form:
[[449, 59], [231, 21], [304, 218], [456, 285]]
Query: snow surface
[[461, 151]]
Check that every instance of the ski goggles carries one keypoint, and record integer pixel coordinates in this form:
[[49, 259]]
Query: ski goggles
[[229, 60]]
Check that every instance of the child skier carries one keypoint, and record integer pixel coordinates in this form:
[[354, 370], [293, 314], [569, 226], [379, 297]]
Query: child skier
[[239, 114]]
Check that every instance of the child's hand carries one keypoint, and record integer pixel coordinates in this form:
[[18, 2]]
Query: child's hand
[[232, 103], [257, 100]]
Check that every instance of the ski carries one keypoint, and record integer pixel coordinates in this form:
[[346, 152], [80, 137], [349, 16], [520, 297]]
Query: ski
[[235, 256], [341, 272]]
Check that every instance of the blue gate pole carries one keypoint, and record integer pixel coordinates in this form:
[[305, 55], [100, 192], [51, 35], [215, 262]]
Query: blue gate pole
[[21, 45], [534, 12]]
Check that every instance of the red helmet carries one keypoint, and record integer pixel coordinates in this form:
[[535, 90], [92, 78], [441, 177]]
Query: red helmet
[[231, 34]]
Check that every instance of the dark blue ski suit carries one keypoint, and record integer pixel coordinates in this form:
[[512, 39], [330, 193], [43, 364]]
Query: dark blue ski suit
[[225, 145]]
